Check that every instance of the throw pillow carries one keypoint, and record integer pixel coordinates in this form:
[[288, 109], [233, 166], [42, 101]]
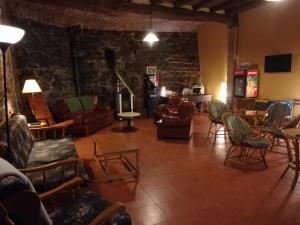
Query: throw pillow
[[74, 104], [87, 102]]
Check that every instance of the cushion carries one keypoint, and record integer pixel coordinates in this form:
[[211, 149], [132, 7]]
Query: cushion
[[257, 142], [87, 102], [51, 150], [74, 104], [84, 209]]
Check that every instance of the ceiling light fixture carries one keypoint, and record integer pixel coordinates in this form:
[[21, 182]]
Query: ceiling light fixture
[[150, 37]]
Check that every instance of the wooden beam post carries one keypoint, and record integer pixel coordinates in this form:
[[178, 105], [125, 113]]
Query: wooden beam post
[[232, 59]]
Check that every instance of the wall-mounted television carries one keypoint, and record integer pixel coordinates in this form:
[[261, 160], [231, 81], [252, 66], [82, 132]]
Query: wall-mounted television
[[278, 63]]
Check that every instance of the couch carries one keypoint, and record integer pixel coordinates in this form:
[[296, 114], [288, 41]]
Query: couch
[[79, 207], [32, 157], [87, 114], [176, 122]]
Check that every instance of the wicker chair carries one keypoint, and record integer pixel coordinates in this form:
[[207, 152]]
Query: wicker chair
[[245, 145], [292, 146], [215, 111], [278, 116]]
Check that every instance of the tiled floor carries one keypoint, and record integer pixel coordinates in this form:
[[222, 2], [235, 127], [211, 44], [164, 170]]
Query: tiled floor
[[186, 183]]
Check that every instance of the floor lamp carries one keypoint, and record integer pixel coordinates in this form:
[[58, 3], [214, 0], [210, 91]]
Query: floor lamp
[[8, 36]]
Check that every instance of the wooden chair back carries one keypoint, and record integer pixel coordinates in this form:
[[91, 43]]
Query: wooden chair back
[[40, 109]]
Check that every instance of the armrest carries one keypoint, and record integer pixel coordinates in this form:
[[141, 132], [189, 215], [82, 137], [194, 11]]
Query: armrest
[[107, 213], [171, 121], [63, 125], [76, 181], [50, 166]]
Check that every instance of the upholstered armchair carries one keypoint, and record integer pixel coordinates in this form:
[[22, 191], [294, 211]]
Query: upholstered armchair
[[167, 109], [246, 146], [177, 124]]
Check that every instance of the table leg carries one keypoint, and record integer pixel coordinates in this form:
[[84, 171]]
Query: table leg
[[129, 124]]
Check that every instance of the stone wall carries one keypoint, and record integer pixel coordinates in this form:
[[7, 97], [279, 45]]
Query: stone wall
[[46, 55]]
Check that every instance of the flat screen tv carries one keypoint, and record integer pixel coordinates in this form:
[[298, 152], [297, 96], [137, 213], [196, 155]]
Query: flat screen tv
[[278, 63]]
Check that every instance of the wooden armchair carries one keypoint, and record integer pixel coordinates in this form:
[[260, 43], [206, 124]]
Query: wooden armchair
[[43, 115], [85, 207]]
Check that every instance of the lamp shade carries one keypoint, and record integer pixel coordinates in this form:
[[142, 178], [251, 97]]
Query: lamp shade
[[151, 38], [10, 35], [31, 86]]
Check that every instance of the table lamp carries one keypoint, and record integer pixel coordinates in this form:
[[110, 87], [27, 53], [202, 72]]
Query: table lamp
[[31, 86], [8, 36]]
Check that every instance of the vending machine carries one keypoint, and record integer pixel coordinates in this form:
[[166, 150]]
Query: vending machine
[[246, 83]]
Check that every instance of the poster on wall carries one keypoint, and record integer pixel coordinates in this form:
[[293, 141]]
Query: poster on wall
[[252, 86], [151, 70]]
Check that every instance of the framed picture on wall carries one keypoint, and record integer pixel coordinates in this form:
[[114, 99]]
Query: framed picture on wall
[[151, 70]]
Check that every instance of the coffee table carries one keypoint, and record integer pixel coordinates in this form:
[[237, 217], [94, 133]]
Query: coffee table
[[129, 116], [117, 148]]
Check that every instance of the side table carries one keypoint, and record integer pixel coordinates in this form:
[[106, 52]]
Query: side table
[[129, 116], [109, 148]]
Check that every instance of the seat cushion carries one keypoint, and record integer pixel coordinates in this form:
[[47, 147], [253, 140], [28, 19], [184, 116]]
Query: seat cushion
[[257, 142], [84, 209], [51, 150], [92, 117]]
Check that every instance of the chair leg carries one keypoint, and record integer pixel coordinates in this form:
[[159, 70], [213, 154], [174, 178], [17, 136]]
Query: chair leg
[[262, 154], [284, 172], [272, 140], [216, 131], [295, 180], [228, 153], [209, 129], [246, 159]]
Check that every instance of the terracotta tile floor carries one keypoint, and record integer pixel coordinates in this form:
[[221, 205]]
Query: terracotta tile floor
[[186, 183]]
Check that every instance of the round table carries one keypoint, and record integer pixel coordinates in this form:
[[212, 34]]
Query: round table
[[129, 116]]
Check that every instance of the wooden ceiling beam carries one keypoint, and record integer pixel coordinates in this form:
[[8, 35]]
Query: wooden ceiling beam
[[200, 5], [125, 9], [229, 4], [168, 13], [156, 2], [179, 3], [214, 3], [245, 7]]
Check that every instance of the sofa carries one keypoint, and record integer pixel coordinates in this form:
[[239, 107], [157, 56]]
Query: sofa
[[176, 122], [86, 112], [23, 206], [32, 157]]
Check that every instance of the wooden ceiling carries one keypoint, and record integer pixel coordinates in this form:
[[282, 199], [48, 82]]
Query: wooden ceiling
[[167, 15]]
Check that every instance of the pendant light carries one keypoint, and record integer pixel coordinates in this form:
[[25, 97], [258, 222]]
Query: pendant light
[[150, 37]]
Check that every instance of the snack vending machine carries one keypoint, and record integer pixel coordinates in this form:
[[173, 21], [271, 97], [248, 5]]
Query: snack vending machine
[[246, 83]]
